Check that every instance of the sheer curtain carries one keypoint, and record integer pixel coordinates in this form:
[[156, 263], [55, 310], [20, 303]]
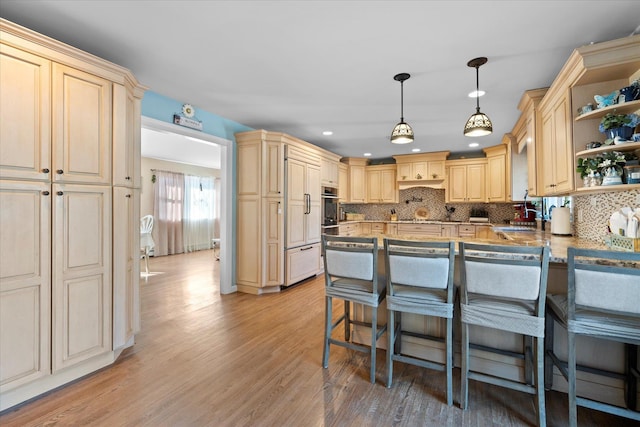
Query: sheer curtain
[[167, 210], [199, 212]]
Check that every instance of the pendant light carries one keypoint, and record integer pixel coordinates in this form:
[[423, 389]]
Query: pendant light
[[478, 124], [402, 132]]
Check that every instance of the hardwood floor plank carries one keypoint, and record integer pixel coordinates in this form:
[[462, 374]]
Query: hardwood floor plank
[[205, 359]]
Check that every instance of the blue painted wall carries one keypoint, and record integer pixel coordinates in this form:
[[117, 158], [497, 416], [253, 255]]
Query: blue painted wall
[[160, 107]]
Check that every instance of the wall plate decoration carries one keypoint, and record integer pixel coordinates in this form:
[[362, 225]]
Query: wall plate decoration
[[187, 118], [188, 110]]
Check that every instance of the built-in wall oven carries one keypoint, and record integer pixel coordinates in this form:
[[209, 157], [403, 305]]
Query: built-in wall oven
[[329, 210]]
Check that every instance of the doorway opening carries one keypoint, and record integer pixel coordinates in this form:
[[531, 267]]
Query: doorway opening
[[226, 244]]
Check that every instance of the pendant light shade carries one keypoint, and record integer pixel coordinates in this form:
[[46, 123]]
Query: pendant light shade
[[402, 132], [479, 123]]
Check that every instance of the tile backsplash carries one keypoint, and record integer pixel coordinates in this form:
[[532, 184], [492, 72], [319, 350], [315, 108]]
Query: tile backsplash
[[592, 211], [432, 200]]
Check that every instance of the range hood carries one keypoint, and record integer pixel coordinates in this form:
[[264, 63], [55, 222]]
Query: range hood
[[426, 183]]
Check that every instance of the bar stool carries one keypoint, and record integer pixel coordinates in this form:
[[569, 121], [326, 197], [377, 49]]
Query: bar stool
[[351, 274], [419, 281], [503, 287], [602, 301]]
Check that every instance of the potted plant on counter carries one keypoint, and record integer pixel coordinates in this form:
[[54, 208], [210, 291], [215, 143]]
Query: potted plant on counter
[[619, 125]]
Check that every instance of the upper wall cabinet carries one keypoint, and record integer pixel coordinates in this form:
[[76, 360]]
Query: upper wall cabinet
[[466, 181], [381, 184], [527, 134], [421, 170], [329, 176], [497, 165], [357, 180], [597, 69]]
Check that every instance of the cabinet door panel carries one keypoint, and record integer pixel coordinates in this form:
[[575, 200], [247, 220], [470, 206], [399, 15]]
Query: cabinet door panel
[[25, 115], [296, 203], [126, 254], [476, 183], [457, 183], [248, 254], [274, 250], [126, 137], [563, 149], [25, 281], [82, 273], [274, 169], [313, 230], [81, 126]]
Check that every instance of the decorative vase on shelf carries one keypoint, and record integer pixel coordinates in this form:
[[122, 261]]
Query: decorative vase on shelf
[[623, 132], [612, 175], [594, 179]]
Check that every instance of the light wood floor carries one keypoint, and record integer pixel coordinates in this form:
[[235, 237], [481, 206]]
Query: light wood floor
[[205, 359]]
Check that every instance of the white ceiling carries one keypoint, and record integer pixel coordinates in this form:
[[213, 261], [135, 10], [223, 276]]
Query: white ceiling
[[302, 67]]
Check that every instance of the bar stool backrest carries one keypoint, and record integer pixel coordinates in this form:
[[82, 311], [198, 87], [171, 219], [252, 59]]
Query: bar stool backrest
[[420, 264], [598, 280]]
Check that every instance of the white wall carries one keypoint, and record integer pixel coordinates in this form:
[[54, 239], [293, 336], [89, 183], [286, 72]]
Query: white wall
[[146, 193]]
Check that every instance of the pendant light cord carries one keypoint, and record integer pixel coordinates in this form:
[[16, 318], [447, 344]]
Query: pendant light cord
[[402, 101], [477, 89]]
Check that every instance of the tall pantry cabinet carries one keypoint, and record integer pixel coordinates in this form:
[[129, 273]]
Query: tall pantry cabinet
[[69, 191], [278, 211]]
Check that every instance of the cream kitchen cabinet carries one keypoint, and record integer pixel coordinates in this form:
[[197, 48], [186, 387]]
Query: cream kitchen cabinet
[[277, 237], [357, 180], [65, 116], [343, 182], [126, 265], [557, 146], [329, 170], [527, 133], [449, 230], [381, 184], [25, 282], [260, 211], [496, 190], [351, 229], [25, 105], [82, 286], [424, 230], [421, 169], [466, 181], [303, 201]]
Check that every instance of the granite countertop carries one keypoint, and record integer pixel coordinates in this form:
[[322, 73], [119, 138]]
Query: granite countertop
[[558, 245], [412, 221]]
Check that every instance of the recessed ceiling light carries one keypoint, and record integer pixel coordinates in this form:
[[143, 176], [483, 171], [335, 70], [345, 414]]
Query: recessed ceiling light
[[367, 154], [476, 94], [415, 150], [327, 133], [473, 144]]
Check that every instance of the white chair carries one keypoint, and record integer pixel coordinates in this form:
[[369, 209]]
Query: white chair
[[602, 301], [351, 274], [146, 241], [419, 281], [504, 287]]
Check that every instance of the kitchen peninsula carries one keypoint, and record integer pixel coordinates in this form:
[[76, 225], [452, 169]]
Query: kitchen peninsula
[[592, 353]]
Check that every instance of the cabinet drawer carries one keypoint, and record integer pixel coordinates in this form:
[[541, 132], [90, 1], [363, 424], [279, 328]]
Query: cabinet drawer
[[420, 229], [302, 263], [467, 231]]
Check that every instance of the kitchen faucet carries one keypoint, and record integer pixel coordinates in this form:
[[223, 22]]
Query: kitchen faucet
[[541, 211]]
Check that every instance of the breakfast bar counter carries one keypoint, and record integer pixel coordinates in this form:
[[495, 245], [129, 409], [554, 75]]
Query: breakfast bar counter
[[596, 353]]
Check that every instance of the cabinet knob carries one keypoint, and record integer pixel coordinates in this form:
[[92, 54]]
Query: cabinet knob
[[128, 196], [59, 171], [45, 170], [45, 193], [127, 178], [59, 193]]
